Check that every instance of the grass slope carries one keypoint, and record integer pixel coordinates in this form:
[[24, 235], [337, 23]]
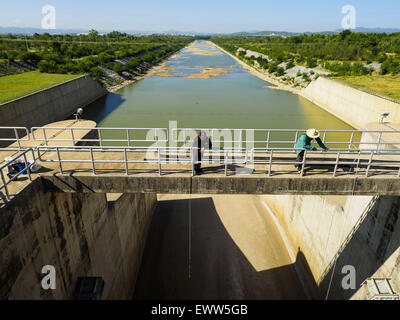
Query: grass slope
[[19, 85], [387, 85]]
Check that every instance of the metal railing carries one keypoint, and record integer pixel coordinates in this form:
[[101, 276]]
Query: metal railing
[[361, 158], [388, 159], [287, 137], [354, 158], [158, 155], [268, 138], [15, 135], [6, 181], [126, 135]]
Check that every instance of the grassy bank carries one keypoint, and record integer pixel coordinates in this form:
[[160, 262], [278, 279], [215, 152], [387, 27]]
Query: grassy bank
[[388, 85], [19, 85]]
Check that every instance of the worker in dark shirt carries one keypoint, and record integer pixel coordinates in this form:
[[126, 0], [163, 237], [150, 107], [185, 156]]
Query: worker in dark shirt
[[304, 142], [200, 144]]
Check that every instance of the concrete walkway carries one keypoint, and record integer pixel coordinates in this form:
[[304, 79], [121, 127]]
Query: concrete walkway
[[16, 186]]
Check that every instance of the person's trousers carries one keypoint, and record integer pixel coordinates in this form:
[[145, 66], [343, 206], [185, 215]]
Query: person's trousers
[[299, 158], [197, 166]]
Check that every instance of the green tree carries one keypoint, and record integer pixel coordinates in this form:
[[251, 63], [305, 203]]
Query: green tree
[[118, 68]]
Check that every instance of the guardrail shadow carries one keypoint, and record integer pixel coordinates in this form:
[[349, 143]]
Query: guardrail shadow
[[368, 246]]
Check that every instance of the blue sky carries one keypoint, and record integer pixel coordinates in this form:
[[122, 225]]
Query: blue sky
[[202, 15]]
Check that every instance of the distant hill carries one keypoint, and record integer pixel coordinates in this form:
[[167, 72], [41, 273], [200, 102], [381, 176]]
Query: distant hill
[[255, 33], [262, 34], [17, 30], [374, 30], [289, 34]]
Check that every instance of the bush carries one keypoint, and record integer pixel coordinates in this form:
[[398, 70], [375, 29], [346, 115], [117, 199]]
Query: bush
[[118, 68], [290, 65], [48, 66], [30, 57], [280, 71], [311, 63], [96, 72]]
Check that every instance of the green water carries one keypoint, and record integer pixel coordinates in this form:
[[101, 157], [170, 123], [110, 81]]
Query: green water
[[236, 99]]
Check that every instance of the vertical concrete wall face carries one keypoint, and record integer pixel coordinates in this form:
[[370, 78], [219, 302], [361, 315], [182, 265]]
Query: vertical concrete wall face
[[79, 234], [365, 231], [353, 106], [51, 105]]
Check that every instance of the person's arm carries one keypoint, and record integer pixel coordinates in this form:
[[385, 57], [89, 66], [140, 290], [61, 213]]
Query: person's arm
[[321, 144], [302, 143]]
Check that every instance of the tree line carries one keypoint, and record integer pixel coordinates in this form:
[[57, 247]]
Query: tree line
[[346, 53], [86, 53]]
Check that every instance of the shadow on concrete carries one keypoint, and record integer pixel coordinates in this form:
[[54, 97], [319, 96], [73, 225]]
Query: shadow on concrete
[[213, 266], [371, 245], [103, 107]]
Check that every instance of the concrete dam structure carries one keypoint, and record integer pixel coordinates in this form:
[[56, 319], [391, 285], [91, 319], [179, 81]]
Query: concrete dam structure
[[151, 230]]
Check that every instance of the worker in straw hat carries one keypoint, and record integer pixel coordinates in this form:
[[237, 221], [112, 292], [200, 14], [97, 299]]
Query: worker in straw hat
[[304, 142]]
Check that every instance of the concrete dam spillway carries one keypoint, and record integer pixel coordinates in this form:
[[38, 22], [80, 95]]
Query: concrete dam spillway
[[194, 246], [219, 247]]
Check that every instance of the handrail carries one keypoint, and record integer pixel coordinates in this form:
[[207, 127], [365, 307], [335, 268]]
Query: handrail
[[17, 137], [5, 182], [161, 135], [360, 158], [185, 155], [126, 131]]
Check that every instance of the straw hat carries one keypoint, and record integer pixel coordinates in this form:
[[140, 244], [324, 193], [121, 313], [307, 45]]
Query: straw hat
[[312, 133]]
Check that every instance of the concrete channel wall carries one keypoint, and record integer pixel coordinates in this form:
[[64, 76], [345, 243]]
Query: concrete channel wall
[[79, 234], [50, 105], [368, 228], [353, 106]]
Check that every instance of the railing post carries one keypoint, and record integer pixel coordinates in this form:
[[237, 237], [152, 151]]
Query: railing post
[[126, 162], [92, 158], [303, 163], [268, 138], [72, 136], [379, 141], [336, 164], [295, 139], [369, 164], [17, 137], [226, 163], [100, 138], [271, 154], [159, 163], [128, 137], [5, 185], [44, 136], [59, 160], [351, 140], [192, 160]]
